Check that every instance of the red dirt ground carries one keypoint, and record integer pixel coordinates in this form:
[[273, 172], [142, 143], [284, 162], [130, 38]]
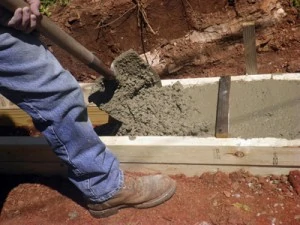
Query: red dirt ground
[[212, 199]]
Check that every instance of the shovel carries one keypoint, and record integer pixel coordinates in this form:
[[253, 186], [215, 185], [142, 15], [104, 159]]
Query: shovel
[[129, 73], [50, 30]]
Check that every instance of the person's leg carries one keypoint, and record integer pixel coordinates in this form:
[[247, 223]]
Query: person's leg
[[32, 78]]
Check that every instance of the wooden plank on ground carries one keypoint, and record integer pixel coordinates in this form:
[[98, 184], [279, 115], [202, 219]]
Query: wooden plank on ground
[[163, 154], [183, 155], [222, 120], [209, 155], [59, 169]]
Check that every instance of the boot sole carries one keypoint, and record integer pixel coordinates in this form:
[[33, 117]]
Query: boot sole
[[154, 202]]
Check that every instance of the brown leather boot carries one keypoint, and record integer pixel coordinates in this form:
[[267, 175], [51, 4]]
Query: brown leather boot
[[137, 192]]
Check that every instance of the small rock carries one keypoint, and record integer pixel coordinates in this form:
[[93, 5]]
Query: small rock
[[203, 223], [93, 77], [235, 186], [294, 179], [297, 217], [284, 178], [73, 19], [20, 203], [215, 203], [50, 49], [73, 215], [293, 66], [227, 193]]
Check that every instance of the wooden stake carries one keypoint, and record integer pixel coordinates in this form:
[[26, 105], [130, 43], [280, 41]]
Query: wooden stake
[[222, 124], [250, 47]]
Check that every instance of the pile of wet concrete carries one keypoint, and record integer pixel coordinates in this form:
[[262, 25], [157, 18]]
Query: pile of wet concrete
[[140, 106]]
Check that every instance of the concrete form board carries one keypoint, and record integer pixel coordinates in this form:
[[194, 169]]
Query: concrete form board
[[171, 155]]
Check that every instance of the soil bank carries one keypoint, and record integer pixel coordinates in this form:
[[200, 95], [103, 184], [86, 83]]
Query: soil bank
[[257, 109]]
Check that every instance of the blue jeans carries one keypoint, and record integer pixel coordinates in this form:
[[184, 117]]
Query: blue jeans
[[32, 78]]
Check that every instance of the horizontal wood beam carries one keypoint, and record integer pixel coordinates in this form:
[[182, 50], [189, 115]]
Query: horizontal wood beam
[[59, 169], [17, 117], [171, 155]]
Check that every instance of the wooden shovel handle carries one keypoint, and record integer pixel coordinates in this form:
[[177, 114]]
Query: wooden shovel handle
[[50, 30]]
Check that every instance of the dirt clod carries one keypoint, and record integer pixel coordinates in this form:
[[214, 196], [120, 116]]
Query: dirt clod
[[294, 178]]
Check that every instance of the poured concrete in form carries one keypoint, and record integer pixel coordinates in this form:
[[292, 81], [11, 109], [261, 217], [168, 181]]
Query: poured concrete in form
[[261, 108], [193, 155], [268, 108], [260, 105]]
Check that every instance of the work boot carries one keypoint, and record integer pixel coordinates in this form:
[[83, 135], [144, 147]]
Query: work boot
[[137, 192]]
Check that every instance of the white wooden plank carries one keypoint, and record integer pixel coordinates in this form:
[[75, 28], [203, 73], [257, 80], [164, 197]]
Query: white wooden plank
[[166, 141], [58, 169], [246, 78], [199, 141], [209, 155], [177, 150]]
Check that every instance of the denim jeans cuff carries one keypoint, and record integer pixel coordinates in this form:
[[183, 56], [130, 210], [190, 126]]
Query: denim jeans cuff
[[112, 193]]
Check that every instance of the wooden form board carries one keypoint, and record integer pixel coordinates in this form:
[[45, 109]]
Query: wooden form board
[[18, 117], [171, 155]]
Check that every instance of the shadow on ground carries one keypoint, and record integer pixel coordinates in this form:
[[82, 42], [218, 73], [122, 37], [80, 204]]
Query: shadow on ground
[[62, 185]]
